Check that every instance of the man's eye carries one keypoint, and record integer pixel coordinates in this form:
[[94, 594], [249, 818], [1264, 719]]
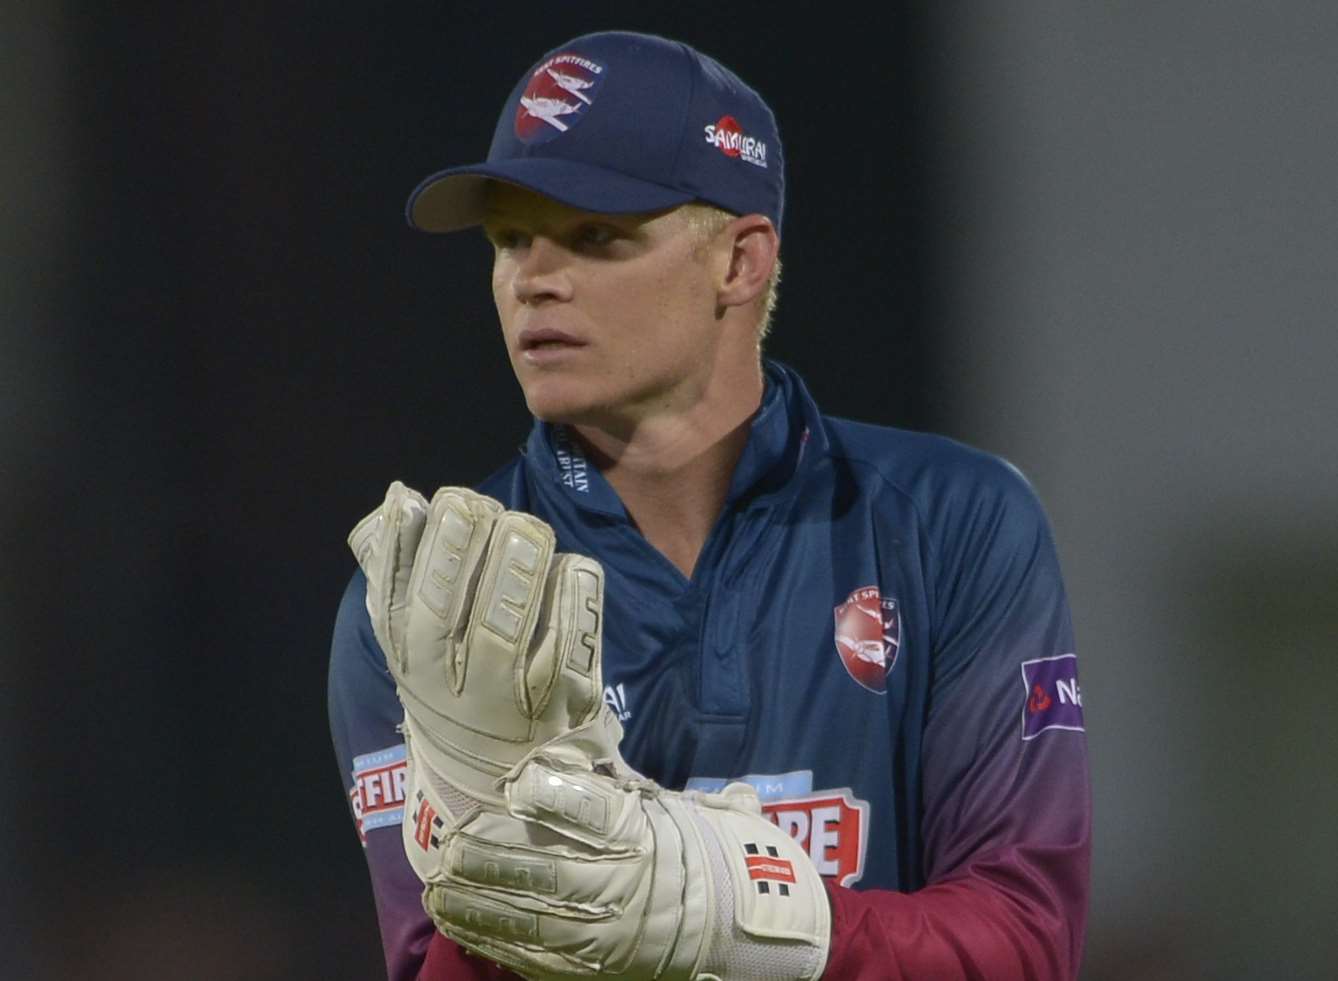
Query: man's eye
[[507, 238], [596, 235]]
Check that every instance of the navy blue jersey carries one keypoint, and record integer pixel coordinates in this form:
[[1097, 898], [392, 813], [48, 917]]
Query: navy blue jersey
[[875, 636]]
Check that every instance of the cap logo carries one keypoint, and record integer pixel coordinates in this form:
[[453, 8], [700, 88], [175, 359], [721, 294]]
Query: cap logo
[[727, 135], [557, 97]]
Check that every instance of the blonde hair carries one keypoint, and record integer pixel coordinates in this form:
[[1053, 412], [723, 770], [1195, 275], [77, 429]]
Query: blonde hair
[[706, 222]]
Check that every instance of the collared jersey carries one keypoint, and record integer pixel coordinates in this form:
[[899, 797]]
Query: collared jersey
[[875, 636]]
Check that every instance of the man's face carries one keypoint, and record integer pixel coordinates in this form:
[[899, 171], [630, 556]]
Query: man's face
[[608, 319]]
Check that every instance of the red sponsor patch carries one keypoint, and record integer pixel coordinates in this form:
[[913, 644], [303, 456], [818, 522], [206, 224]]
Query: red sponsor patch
[[832, 827]]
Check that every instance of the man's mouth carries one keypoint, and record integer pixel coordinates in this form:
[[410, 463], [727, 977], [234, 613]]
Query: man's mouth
[[547, 339]]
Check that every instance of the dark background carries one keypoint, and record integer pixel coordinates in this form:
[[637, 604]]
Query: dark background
[[1097, 242]]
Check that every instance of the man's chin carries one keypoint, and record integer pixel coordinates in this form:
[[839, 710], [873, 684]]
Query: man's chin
[[577, 415], [558, 411]]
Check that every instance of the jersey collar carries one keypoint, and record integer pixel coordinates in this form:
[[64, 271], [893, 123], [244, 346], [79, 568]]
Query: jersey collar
[[786, 436]]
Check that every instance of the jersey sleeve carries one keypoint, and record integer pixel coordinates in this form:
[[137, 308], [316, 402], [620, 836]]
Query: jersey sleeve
[[1005, 787], [364, 716]]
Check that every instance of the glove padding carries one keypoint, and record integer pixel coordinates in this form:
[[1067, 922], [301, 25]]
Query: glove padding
[[538, 846], [594, 871], [493, 641]]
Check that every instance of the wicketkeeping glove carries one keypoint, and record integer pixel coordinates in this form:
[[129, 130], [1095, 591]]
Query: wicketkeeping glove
[[539, 847]]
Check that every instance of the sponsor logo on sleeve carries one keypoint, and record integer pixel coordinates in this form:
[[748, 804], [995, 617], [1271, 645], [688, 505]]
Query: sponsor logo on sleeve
[[868, 636], [378, 790], [1053, 699], [832, 826]]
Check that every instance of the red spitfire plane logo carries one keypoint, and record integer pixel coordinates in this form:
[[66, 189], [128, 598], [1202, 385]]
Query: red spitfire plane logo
[[868, 636], [557, 96]]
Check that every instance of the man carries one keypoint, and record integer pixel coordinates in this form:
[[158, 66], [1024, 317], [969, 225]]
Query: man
[[866, 625]]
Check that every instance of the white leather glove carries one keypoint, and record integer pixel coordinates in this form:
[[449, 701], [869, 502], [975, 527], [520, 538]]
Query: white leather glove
[[538, 846]]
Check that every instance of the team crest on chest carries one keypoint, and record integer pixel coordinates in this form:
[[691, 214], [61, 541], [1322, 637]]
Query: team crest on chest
[[868, 636]]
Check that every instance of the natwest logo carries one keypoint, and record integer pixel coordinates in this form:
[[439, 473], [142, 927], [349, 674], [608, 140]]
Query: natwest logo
[[831, 825], [728, 136], [378, 790], [1053, 699]]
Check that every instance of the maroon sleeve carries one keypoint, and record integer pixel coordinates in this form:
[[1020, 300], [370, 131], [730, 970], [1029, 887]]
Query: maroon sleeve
[[1004, 919], [1005, 789], [448, 961]]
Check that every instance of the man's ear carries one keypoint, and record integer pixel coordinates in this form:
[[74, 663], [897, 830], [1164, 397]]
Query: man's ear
[[753, 245]]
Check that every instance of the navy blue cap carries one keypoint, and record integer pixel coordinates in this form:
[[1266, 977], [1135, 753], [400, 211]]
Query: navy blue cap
[[621, 123]]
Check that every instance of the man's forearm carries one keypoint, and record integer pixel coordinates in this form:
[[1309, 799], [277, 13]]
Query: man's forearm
[[1007, 920]]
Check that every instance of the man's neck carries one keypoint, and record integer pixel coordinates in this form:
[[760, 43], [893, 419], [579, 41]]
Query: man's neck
[[673, 472]]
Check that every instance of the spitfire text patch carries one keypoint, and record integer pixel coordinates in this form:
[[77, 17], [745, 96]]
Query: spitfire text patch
[[378, 790]]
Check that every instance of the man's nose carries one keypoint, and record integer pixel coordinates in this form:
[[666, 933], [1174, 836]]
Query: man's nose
[[542, 272]]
